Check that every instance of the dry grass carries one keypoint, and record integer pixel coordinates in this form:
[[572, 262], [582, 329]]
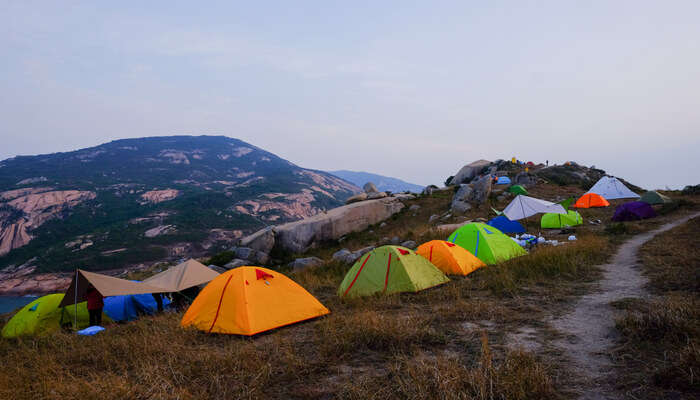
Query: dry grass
[[659, 349], [446, 342]]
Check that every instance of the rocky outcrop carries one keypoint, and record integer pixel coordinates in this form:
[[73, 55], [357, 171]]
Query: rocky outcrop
[[303, 263], [17, 281], [299, 236], [469, 172], [356, 198], [272, 206], [159, 196], [159, 230], [369, 187], [471, 195], [27, 209], [460, 201]]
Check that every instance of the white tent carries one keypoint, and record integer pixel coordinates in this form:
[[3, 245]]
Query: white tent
[[611, 188], [525, 206]]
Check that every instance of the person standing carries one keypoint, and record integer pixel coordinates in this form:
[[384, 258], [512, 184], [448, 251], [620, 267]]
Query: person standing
[[95, 303], [158, 297]]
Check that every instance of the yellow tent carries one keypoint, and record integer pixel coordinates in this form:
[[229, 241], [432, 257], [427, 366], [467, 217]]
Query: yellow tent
[[250, 300], [450, 258]]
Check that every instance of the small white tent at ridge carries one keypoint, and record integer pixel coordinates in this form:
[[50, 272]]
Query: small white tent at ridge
[[525, 206], [611, 188]]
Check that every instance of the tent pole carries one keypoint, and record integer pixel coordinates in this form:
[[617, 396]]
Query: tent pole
[[75, 299]]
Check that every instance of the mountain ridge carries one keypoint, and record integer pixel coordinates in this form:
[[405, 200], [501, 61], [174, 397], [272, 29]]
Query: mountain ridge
[[383, 183]]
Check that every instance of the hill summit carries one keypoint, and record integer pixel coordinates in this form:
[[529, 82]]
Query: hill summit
[[139, 200]]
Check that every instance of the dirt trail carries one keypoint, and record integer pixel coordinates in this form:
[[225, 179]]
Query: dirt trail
[[590, 327]]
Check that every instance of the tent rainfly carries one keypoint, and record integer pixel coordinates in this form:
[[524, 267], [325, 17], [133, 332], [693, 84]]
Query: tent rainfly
[[182, 276], [106, 285], [525, 206], [611, 188]]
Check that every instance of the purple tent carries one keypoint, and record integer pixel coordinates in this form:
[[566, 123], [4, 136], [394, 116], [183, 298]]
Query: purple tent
[[633, 211]]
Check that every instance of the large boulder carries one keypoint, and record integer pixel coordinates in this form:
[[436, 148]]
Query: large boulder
[[356, 198], [469, 172], [523, 178], [299, 236], [262, 240], [481, 190], [369, 187], [460, 201], [376, 195]]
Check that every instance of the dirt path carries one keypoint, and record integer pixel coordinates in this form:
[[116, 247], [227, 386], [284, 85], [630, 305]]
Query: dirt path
[[590, 327]]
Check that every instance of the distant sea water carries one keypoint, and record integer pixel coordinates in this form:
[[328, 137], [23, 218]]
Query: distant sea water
[[11, 303]]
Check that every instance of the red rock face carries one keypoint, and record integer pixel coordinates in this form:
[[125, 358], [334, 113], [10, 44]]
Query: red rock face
[[35, 206]]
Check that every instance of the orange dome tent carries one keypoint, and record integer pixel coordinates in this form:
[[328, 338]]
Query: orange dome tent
[[449, 258], [250, 300], [589, 200]]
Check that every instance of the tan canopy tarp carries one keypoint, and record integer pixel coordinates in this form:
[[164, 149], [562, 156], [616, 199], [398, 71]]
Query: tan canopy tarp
[[106, 285], [182, 276]]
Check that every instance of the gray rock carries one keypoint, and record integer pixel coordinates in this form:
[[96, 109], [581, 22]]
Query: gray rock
[[469, 172], [302, 263], [356, 198], [428, 190], [395, 240], [376, 195], [235, 263], [481, 189], [369, 188], [446, 216], [433, 218], [414, 207], [346, 256], [460, 201], [262, 258], [244, 253], [404, 196], [409, 244], [262, 240], [363, 251], [299, 236], [523, 178]]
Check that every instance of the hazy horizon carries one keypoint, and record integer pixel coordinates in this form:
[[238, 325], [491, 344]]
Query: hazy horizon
[[404, 90]]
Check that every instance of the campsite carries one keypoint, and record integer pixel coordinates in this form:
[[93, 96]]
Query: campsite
[[322, 200], [472, 303]]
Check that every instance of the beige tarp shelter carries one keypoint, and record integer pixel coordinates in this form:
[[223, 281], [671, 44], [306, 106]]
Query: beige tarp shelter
[[106, 285], [182, 276]]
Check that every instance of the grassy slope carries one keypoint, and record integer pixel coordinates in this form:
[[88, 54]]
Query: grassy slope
[[447, 342], [660, 337]]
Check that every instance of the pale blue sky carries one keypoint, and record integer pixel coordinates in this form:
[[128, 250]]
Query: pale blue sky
[[407, 89]]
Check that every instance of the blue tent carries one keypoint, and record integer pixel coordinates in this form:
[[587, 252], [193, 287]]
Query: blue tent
[[129, 307], [503, 224], [503, 180]]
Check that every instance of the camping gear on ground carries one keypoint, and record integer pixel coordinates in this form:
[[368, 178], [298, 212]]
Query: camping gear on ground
[[611, 188], [129, 307], [44, 315], [517, 189], [390, 269], [525, 206], [250, 300], [486, 242], [589, 200], [90, 331], [558, 221], [449, 258], [503, 180], [632, 211], [503, 224], [182, 276], [653, 197]]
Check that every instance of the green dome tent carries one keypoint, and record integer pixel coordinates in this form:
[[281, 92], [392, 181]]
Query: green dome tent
[[517, 189], [652, 197], [390, 269], [43, 316], [553, 221], [486, 242]]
